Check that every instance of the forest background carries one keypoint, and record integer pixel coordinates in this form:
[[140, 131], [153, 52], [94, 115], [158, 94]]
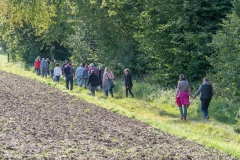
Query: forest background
[[157, 40]]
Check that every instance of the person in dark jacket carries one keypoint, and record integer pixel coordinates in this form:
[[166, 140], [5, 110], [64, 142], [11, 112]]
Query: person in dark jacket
[[93, 82], [69, 74], [207, 92], [64, 65], [128, 82]]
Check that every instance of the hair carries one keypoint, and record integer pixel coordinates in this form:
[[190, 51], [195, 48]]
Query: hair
[[127, 70], [86, 66], [205, 79], [52, 60], [92, 71], [182, 77], [83, 64], [107, 70], [91, 65], [57, 65]]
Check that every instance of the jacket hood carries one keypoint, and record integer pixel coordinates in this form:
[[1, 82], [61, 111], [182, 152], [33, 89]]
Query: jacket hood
[[207, 83]]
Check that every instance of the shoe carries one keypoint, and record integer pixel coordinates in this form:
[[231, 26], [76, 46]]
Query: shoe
[[185, 118], [207, 117], [182, 117]]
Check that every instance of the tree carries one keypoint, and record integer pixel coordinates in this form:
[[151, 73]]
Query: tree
[[226, 58]]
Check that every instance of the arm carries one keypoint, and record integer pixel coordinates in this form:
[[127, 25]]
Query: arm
[[199, 90], [189, 91], [177, 90], [113, 76], [89, 80], [104, 79]]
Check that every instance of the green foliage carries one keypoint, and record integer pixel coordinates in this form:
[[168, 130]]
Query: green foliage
[[160, 39], [226, 60]]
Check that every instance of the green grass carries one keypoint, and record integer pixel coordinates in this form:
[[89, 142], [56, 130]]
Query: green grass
[[156, 106]]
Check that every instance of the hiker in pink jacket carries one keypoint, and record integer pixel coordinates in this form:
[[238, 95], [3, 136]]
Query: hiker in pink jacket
[[182, 96]]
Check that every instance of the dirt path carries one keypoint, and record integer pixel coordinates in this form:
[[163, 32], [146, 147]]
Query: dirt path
[[37, 122]]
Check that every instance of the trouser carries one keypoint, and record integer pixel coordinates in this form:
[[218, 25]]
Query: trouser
[[80, 82], [92, 90], [129, 90], [69, 79], [57, 78], [44, 72], [100, 81], [204, 107], [37, 71], [183, 111], [111, 92], [51, 72], [85, 82]]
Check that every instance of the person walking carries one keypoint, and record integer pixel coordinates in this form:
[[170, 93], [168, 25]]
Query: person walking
[[69, 74], [51, 67], [43, 66], [207, 92], [107, 81], [79, 74], [64, 65], [182, 96], [128, 82], [92, 67], [93, 82], [85, 76], [57, 72], [37, 65], [100, 76], [48, 66]]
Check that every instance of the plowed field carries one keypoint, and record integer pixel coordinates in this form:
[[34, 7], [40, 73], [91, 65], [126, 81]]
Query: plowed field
[[40, 122]]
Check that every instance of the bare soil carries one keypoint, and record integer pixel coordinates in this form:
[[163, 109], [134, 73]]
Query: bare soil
[[41, 122]]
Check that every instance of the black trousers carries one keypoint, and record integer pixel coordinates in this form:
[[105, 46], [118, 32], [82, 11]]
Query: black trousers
[[129, 90], [204, 106], [69, 79]]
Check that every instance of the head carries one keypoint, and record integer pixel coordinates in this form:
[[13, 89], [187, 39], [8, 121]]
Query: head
[[83, 64], [66, 61], [92, 71], [80, 65], [107, 70], [91, 65], [55, 61], [52, 60], [205, 79], [100, 68], [126, 71], [70, 64], [86, 66], [57, 65], [43, 59], [182, 77]]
